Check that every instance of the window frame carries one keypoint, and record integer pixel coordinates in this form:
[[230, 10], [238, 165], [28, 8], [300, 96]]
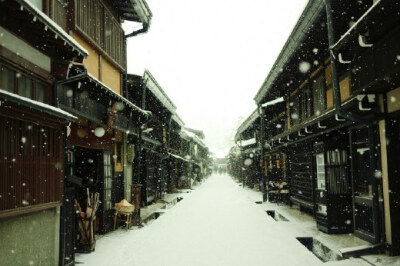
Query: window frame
[[34, 79]]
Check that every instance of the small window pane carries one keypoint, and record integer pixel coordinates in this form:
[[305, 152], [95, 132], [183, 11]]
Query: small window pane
[[40, 93], [24, 86], [7, 79]]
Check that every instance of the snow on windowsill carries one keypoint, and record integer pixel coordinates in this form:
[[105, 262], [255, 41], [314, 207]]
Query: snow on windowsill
[[36, 103]]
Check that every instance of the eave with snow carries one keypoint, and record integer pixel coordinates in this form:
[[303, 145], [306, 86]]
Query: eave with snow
[[82, 86], [34, 106], [246, 124], [151, 83], [134, 10], [32, 25]]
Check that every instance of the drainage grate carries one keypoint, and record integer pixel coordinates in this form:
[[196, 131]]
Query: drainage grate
[[321, 251], [277, 216]]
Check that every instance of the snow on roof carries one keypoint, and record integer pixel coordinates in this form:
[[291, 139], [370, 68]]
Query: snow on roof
[[178, 157], [310, 14], [193, 136], [178, 120], [248, 142], [52, 110], [247, 123], [53, 25], [198, 132], [156, 89], [126, 101], [273, 102]]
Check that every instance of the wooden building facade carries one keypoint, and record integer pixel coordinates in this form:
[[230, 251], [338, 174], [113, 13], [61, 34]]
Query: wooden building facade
[[338, 78], [32, 132]]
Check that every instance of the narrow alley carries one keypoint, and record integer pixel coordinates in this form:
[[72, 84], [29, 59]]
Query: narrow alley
[[218, 223]]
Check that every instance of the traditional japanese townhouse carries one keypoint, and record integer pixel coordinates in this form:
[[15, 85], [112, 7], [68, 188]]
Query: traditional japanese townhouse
[[235, 163], [92, 91], [152, 140], [338, 76], [247, 138], [32, 132], [185, 175], [178, 162], [198, 153]]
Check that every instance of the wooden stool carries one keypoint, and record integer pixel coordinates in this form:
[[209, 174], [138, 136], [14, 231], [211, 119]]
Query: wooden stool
[[123, 216], [123, 212]]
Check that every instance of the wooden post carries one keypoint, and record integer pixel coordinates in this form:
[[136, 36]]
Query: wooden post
[[136, 196]]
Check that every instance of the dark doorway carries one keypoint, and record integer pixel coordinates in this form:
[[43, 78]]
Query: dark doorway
[[362, 185]]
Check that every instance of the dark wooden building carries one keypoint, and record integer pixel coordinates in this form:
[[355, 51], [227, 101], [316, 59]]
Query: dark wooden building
[[32, 131], [338, 76]]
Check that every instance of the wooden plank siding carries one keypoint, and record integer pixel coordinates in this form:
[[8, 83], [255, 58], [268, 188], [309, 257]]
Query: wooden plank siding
[[56, 11], [31, 161], [97, 23]]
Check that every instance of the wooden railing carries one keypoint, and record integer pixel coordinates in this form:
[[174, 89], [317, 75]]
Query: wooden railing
[[97, 22]]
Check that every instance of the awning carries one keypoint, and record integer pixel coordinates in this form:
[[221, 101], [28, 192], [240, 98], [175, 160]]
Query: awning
[[87, 81], [6, 96], [247, 123], [326, 122], [248, 142], [32, 25], [178, 157], [151, 83], [152, 141]]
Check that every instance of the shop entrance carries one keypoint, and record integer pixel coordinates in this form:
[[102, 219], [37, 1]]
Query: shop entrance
[[365, 220]]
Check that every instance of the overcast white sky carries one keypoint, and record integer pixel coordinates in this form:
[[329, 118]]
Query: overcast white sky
[[212, 56]]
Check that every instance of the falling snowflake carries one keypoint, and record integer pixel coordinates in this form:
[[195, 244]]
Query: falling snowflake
[[304, 67], [119, 106], [378, 174], [295, 116], [99, 132], [58, 165], [69, 93], [392, 99]]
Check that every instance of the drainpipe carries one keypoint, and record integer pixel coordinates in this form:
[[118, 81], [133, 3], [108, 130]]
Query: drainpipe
[[354, 118], [145, 28]]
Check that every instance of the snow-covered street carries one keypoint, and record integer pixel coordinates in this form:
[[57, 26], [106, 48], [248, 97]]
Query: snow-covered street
[[216, 224]]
